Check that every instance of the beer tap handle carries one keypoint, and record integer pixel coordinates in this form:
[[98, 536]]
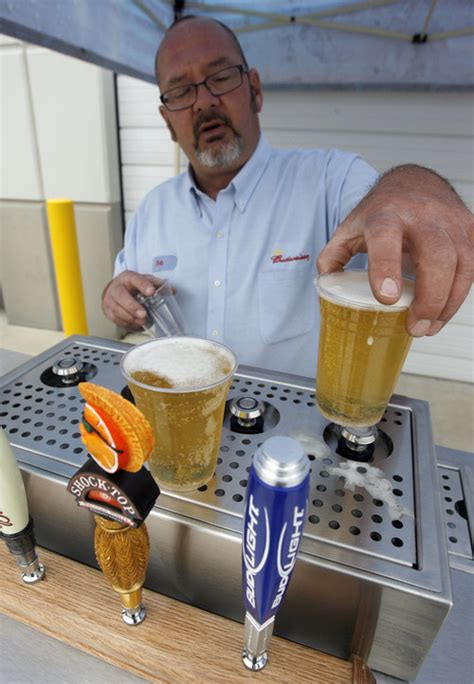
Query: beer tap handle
[[275, 514], [122, 553], [16, 526]]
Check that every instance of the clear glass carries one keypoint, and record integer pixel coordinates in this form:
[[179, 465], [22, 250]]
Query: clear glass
[[164, 315], [186, 421], [362, 348]]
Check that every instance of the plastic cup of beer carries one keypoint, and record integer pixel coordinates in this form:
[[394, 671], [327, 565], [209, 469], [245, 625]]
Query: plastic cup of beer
[[180, 384], [362, 347]]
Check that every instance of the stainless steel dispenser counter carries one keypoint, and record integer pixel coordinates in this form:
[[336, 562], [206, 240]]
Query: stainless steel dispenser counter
[[363, 583]]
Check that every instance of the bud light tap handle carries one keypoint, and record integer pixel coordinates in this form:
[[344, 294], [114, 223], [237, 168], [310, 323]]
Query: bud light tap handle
[[16, 527], [274, 518]]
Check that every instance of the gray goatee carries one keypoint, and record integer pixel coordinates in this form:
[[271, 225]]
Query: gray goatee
[[225, 155]]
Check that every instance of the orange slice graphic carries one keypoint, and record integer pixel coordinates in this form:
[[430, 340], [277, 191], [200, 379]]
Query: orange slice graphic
[[114, 431]]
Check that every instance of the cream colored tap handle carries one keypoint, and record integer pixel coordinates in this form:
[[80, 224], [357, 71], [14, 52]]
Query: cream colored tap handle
[[13, 502], [16, 525]]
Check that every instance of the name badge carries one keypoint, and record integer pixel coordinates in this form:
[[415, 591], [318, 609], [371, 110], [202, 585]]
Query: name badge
[[167, 262]]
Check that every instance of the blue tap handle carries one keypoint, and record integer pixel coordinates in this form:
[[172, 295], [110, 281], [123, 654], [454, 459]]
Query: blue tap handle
[[275, 514]]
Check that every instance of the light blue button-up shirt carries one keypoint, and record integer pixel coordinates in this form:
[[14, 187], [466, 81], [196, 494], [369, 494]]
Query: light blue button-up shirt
[[244, 264]]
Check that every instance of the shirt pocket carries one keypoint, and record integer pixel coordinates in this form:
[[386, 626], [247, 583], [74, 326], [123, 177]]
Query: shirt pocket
[[287, 302]]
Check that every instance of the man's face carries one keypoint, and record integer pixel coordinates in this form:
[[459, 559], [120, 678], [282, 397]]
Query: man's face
[[217, 133]]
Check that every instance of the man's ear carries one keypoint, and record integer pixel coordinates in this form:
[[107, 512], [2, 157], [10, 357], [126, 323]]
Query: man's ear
[[256, 88], [165, 115]]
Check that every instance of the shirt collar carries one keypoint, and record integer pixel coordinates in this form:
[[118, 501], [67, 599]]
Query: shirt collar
[[194, 192], [244, 182], [249, 175]]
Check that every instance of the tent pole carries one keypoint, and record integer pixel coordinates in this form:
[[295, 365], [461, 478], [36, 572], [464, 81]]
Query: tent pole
[[424, 30]]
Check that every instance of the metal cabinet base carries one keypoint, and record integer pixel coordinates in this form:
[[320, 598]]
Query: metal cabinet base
[[365, 582]]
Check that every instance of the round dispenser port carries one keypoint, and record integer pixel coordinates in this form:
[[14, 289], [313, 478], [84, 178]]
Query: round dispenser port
[[247, 409], [67, 372], [68, 369]]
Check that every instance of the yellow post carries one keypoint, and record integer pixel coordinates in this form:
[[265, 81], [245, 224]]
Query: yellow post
[[62, 230]]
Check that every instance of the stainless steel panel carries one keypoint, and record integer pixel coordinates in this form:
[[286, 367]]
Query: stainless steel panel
[[456, 478], [451, 657], [459, 538], [451, 660]]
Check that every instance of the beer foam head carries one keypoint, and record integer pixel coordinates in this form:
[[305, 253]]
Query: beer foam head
[[184, 362], [352, 288]]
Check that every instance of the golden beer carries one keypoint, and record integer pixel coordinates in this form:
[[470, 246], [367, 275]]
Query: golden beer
[[362, 347], [180, 385]]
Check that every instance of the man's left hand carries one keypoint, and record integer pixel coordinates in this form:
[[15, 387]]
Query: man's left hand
[[411, 210]]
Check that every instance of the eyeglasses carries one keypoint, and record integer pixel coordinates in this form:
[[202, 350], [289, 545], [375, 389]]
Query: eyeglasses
[[219, 83]]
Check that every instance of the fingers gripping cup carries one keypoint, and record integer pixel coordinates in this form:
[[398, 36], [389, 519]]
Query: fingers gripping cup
[[180, 384], [362, 347]]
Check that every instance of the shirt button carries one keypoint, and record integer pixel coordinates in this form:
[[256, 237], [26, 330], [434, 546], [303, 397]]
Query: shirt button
[[217, 283], [220, 234], [215, 333]]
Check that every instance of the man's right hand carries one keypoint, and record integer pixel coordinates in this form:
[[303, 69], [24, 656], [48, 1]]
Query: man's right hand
[[118, 299]]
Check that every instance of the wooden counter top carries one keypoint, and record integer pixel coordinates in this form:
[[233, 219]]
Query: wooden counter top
[[176, 642]]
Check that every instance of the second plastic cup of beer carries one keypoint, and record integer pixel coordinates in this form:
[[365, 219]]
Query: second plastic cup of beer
[[180, 384], [362, 347]]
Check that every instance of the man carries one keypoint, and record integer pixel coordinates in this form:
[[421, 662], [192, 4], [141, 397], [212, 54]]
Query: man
[[239, 234]]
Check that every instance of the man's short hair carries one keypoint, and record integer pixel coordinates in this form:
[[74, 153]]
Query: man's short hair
[[195, 16]]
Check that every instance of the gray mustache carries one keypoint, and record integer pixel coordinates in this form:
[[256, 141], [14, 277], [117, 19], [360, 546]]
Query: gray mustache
[[207, 117]]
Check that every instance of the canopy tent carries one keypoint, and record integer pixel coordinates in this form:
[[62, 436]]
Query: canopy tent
[[324, 43]]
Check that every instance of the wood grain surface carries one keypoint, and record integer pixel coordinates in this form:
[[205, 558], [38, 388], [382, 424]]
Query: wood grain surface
[[176, 642]]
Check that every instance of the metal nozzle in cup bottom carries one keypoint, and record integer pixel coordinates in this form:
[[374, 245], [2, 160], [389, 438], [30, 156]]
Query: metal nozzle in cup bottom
[[362, 347], [359, 438]]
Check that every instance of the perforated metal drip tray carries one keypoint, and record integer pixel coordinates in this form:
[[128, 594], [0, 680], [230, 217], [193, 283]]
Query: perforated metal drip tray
[[456, 484], [350, 527]]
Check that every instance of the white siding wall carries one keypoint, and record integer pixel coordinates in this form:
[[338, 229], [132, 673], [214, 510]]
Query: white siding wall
[[432, 129], [58, 138], [57, 127]]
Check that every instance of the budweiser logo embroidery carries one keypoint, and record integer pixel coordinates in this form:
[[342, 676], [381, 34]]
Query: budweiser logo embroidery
[[279, 258]]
